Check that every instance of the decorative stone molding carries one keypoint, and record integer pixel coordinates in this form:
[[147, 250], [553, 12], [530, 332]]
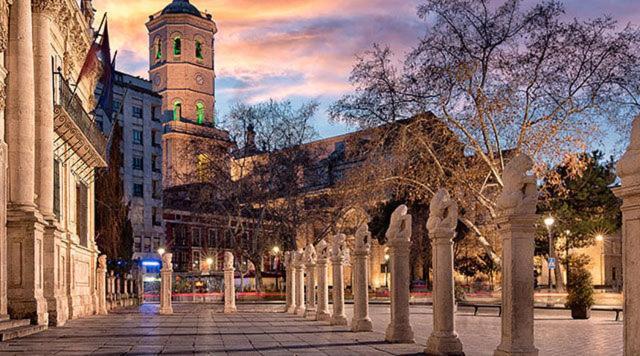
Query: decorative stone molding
[[4, 24]]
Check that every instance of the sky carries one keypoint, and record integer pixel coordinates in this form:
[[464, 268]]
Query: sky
[[297, 49]]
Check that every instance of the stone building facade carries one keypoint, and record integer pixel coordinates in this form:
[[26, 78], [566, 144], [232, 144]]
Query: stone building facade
[[138, 110], [49, 147]]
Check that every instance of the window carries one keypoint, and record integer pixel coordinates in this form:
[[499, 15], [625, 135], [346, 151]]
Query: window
[[212, 238], [138, 163], [82, 214], [154, 141], [155, 218], [177, 110], [200, 113], [154, 163], [199, 50], [138, 190], [196, 239], [154, 113], [56, 189], [156, 189], [137, 137], [177, 46], [137, 112], [158, 49], [137, 244]]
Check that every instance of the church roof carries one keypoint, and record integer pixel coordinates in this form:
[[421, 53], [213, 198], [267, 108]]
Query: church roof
[[181, 7]]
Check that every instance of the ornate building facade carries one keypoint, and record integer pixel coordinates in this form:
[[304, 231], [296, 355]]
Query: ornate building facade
[[49, 147]]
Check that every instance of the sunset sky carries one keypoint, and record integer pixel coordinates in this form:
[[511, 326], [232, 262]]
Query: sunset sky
[[297, 49]]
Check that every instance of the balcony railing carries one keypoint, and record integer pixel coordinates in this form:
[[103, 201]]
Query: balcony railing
[[71, 105]]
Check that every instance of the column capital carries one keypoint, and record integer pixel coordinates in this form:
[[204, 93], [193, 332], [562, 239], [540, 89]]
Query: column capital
[[49, 8]]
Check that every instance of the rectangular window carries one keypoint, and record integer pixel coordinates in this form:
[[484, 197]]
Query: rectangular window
[[137, 137], [154, 163], [155, 216], [196, 237], [56, 189], [212, 238], [137, 112], [154, 113], [138, 163], [155, 185], [138, 190], [137, 245], [155, 142], [82, 213]]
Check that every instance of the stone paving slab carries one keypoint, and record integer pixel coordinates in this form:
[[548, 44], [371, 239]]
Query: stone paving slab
[[262, 330]]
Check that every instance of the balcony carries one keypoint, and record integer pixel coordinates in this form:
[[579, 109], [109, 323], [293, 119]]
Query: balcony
[[77, 128]]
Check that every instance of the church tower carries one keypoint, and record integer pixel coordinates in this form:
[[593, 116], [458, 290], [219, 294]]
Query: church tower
[[182, 71]]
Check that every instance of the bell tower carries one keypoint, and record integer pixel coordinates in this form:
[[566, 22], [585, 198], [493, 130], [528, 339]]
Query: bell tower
[[182, 71], [181, 61]]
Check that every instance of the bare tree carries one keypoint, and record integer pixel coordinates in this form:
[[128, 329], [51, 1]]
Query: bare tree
[[503, 80]]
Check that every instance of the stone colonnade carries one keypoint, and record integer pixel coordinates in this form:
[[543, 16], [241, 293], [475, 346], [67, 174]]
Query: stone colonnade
[[322, 249], [298, 265], [517, 218], [629, 172], [310, 257]]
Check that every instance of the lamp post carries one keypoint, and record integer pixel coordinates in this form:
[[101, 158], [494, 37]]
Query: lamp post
[[600, 238], [386, 270], [209, 263], [548, 222], [276, 251]]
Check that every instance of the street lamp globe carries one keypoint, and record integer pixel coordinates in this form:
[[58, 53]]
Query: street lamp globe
[[549, 221], [276, 250], [209, 261], [161, 251], [386, 257], [599, 238]]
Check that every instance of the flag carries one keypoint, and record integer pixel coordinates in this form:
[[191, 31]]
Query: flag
[[106, 98], [99, 55]]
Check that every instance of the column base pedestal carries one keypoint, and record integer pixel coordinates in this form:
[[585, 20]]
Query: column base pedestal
[[339, 320], [230, 309], [361, 325], [399, 334], [323, 316], [291, 309], [310, 314], [444, 346], [299, 311], [504, 351], [166, 311]]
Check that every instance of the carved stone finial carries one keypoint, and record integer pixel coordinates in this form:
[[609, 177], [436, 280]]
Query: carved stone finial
[[629, 164], [297, 258], [363, 239], [102, 262], [167, 264], [310, 255], [338, 246], [228, 260], [400, 225], [443, 212], [323, 250], [519, 195]]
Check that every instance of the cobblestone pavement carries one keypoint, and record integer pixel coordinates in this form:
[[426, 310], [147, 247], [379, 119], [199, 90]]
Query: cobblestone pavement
[[260, 330]]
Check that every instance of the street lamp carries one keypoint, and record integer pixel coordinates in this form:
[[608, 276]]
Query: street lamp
[[600, 238], [161, 251], [548, 222], [276, 263]]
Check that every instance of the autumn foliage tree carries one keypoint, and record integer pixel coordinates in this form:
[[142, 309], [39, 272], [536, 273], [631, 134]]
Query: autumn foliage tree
[[503, 79]]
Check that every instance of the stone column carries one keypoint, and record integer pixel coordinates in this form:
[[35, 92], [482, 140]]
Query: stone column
[[310, 257], [118, 290], [361, 320], [399, 242], [229, 284], [111, 284], [443, 219], [629, 172], [44, 10], [323, 250], [338, 254], [25, 225], [140, 286], [298, 266], [166, 279], [101, 281], [516, 208], [290, 285], [3, 170], [132, 291]]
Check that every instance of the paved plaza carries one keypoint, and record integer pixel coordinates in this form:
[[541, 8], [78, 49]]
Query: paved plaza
[[261, 330]]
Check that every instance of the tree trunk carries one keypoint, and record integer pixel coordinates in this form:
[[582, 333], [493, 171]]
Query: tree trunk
[[258, 278], [557, 271]]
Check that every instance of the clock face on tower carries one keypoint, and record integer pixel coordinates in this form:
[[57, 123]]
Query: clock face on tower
[[157, 80], [199, 79]]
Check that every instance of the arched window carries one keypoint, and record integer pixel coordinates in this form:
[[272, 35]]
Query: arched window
[[158, 49], [199, 50], [200, 113], [177, 110], [177, 46]]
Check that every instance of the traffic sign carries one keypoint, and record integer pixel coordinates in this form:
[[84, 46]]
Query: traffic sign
[[552, 263]]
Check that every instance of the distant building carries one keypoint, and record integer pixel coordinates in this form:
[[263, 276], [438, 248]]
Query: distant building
[[138, 110]]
